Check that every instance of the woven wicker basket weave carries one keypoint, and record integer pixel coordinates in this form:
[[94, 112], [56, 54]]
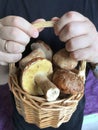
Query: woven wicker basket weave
[[36, 110]]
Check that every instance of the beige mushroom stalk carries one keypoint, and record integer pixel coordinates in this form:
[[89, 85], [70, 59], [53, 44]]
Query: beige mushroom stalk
[[36, 79], [48, 53]]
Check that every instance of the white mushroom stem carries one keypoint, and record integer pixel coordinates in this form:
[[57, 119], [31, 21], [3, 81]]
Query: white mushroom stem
[[49, 89]]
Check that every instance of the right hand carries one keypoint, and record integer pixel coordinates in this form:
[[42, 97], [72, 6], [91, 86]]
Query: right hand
[[15, 33]]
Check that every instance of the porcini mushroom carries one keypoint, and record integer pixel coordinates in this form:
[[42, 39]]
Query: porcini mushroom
[[68, 82], [34, 54], [63, 60], [39, 49], [36, 79], [44, 47]]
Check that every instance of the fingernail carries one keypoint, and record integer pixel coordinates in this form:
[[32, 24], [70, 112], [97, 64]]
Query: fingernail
[[35, 34]]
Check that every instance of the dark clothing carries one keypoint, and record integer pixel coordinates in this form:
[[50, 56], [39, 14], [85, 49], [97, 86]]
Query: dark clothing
[[32, 10]]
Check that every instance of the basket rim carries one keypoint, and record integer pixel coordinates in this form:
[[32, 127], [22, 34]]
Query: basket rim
[[39, 102]]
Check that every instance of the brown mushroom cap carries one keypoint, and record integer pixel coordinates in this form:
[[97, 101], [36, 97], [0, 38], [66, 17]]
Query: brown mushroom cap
[[63, 60], [68, 82]]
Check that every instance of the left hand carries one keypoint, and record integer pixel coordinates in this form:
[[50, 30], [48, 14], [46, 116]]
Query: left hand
[[80, 35]]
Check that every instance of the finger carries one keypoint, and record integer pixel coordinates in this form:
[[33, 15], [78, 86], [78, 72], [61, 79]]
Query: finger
[[79, 42], [68, 18], [55, 19], [20, 23], [83, 54], [74, 29], [9, 58], [11, 47], [14, 47], [14, 34]]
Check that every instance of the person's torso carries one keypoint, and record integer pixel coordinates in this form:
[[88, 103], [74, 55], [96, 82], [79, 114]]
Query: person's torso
[[35, 9]]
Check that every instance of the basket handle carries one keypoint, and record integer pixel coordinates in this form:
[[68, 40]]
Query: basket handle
[[44, 24], [82, 70], [12, 68]]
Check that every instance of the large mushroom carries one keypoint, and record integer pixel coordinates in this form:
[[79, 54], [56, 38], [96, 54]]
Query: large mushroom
[[36, 79], [39, 49], [68, 82], [63, 60]]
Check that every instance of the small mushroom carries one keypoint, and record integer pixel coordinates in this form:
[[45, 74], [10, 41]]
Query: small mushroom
[[34, 54], [36, 79], [39, 49], [44, 47], [68, 82], [63, 60]]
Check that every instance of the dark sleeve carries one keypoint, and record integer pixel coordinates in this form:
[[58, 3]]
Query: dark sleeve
[[6, 109]]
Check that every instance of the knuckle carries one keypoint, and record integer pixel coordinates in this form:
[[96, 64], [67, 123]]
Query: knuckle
[[69, 28], [70, 45], [71, 14], [15, 20]]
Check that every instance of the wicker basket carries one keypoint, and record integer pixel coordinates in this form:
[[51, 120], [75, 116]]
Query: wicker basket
[[36, 110]]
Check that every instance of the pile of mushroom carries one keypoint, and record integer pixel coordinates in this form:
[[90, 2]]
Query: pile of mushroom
[[38, 77], [66, 77], [37, 71]]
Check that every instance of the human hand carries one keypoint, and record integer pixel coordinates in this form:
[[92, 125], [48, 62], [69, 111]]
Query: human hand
[[80, 35], [15, 33]]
